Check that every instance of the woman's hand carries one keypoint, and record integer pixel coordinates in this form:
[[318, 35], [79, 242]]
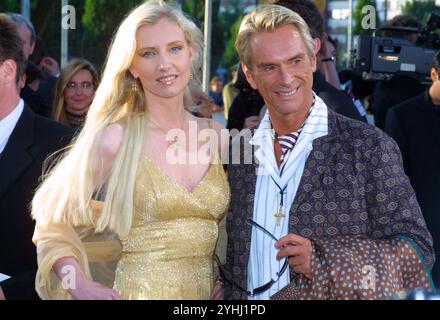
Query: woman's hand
[[78, 285], [89, 290]]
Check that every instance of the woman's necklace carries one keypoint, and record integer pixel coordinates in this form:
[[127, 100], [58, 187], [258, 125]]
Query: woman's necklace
[[75, 120], [174, 142]]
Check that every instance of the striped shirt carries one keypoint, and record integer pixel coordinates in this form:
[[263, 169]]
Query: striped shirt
[[263, 265], [287, 142]]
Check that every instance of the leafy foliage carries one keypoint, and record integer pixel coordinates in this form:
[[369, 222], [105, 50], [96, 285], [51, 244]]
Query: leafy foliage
[[421, 9], [231, 56], [97, 20]]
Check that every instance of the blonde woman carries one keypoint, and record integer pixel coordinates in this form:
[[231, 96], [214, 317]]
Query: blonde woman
[[165, 213], [74, 92]]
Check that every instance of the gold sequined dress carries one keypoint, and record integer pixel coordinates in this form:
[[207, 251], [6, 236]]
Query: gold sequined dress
[[168, 253]]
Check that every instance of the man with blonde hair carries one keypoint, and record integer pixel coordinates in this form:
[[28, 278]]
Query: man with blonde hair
[[322, 185]]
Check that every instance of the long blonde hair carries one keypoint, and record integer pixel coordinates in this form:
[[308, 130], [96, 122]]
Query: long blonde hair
[[66, 193], [69, 70]]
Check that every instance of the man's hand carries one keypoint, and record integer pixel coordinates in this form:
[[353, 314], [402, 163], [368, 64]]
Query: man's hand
[[50, 66], [299, 252], [327, 49], [251, 122], [2, 295]]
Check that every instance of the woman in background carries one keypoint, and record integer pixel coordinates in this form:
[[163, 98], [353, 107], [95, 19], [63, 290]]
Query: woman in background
[[74, 92]]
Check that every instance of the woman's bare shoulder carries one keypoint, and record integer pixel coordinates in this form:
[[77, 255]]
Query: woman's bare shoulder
[[108, 144], [110, 139]]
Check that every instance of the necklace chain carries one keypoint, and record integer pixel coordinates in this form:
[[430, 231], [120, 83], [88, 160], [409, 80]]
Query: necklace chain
[[174, 142]]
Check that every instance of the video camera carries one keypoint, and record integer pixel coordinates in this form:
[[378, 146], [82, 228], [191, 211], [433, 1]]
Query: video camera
[[380, 57]]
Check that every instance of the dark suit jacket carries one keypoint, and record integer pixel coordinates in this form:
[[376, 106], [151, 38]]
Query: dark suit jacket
[[33, 139], [415, 125], [335, 99], [40, 101], [353, 185], [390, 93]]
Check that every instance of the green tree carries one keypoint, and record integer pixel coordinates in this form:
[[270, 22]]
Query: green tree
[[196, 10], [420, 9], [9, 6], [222, 35], [231, 56], [359, 16], [100, 20]]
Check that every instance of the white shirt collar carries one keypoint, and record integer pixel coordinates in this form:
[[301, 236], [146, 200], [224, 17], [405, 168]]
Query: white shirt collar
[[315, 126], [7, 124], [264, 128]]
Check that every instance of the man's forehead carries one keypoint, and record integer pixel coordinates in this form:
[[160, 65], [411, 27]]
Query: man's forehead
[[276, 44], [287, 31]]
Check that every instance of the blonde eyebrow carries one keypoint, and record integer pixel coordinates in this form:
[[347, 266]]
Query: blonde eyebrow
[[169, 44]]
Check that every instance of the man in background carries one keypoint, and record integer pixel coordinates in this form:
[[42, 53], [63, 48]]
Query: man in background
[[39, 90], [402, 86], [415, 125]]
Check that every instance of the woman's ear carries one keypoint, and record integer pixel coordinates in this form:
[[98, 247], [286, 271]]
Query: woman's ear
[[133, 72], [192, 52]]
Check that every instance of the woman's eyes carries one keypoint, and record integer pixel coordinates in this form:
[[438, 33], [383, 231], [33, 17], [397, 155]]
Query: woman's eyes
[[151, 54], [148, 54], [176, 49]]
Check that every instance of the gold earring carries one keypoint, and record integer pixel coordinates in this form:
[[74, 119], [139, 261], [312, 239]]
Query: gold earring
[[134, 87], [191, 77]]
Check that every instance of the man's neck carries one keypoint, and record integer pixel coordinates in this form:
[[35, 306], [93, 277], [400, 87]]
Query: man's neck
[[8, 102], [287, 123], [435, 100]]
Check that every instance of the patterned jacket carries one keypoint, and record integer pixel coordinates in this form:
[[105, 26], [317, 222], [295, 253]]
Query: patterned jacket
[[353, 185]]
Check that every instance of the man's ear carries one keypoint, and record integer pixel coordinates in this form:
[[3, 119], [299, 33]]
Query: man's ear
[[434, 75], [317, 42], [249, 77], [8, 70], [33, 47]]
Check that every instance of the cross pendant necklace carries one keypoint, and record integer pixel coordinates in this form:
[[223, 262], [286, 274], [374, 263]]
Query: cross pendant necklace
[[280, 214], [174, 142]]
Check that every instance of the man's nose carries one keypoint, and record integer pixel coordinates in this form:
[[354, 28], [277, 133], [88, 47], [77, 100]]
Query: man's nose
[[286, 75]]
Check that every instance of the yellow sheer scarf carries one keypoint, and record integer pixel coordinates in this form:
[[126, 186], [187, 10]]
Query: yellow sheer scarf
[[97, 254]]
